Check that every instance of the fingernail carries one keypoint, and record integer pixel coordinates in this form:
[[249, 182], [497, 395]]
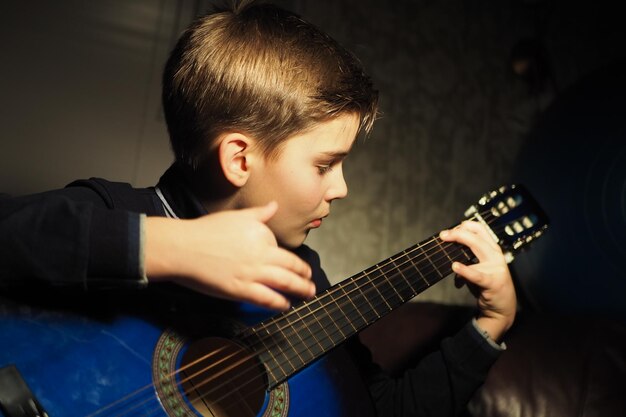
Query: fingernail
[[455, 266], [444, 233]]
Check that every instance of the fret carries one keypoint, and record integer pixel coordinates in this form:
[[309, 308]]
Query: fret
[[357, 320], [404, 264], [272, 355], [464, 251], [314, 314], [364, 301], [312, 341], [456, 252], [432, 254], [416, 269], [377, 288], [426, 268], [279, 340], [298, 330], [444, 250], [341, 319], [450, 260], [402, 289]]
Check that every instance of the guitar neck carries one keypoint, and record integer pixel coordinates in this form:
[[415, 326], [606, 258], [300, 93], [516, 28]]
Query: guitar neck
[[291, 340]]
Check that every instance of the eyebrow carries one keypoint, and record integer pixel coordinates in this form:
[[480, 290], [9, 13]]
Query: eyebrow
[[335, 154]]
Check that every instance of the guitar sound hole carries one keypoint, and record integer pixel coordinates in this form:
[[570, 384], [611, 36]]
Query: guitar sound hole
[[221, 379]]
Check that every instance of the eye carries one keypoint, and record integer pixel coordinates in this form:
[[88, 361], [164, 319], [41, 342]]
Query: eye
[[324, 169]]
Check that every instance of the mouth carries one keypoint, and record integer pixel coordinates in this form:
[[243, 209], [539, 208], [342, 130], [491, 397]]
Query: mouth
[[315, 223]]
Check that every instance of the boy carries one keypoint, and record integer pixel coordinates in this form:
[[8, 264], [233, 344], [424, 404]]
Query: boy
[[262, 108]]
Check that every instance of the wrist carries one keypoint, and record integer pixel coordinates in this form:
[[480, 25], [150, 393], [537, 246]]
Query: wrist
[[494, 327], [159, 248], [493, 343]]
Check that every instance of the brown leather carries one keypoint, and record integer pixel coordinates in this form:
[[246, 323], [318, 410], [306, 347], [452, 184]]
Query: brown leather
[[555, 366], [558, 366]]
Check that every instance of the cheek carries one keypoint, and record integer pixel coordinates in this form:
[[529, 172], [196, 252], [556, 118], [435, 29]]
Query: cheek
[[306, 190], [297, 187]]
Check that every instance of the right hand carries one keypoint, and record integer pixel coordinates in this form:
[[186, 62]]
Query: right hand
[[230, 254]]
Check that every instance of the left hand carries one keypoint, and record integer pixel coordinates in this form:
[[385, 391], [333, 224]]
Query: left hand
[[491, 278]]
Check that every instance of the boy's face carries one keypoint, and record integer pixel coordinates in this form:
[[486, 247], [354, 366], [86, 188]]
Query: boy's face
[[304, 179]]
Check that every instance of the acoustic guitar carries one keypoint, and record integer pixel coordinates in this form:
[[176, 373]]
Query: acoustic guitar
[[165, 353]]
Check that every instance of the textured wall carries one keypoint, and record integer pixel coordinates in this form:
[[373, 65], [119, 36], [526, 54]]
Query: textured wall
[[453, 118], [454, 115], [81, 98]]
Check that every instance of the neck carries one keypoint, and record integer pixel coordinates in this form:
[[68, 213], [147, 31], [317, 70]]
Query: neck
[[215, 193]]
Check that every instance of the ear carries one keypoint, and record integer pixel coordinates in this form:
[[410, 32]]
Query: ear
[[234, 152]]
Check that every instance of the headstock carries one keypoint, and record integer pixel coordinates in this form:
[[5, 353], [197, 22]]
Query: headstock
[[512, 216]]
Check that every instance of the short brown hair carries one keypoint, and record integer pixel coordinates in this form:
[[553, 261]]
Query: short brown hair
[[262, 71]]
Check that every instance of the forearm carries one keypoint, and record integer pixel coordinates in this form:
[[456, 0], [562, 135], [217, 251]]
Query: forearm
[[53, 239], [441, 384]]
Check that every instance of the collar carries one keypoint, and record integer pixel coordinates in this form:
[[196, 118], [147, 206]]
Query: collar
[[178, 195]]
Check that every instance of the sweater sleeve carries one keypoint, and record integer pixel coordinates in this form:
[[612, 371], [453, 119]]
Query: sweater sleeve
[[441, 384], [68, 237]]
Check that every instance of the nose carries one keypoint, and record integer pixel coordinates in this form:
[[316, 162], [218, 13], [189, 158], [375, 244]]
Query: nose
[[338, 188]]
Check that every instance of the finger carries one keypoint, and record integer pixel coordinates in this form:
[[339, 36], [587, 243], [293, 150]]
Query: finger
[[476, 244], [481, 230], [284, 281], [459, 282], [261, 295], [481, 244], [290, 261], [264, 213], [470, 274], [241, 290]]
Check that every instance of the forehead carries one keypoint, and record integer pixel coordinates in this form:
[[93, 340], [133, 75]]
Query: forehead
[[334, 136]]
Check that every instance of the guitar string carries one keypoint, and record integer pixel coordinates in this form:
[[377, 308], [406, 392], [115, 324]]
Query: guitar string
[[138, 391], [379, 276]]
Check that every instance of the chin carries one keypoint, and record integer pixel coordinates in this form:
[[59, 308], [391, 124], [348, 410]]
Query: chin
[[292, 242]]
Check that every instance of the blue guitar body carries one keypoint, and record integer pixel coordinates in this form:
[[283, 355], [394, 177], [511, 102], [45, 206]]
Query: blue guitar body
[[99, 357]]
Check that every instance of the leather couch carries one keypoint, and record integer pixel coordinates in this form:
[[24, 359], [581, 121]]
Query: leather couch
[[554, 365]]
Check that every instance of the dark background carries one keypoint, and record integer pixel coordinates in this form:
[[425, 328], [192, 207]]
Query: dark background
[[80, 84]]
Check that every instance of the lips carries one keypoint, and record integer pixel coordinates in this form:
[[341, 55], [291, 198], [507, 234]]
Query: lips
[[316, 223]]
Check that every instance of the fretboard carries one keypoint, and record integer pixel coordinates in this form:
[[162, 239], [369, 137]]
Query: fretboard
[[288, 342]]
